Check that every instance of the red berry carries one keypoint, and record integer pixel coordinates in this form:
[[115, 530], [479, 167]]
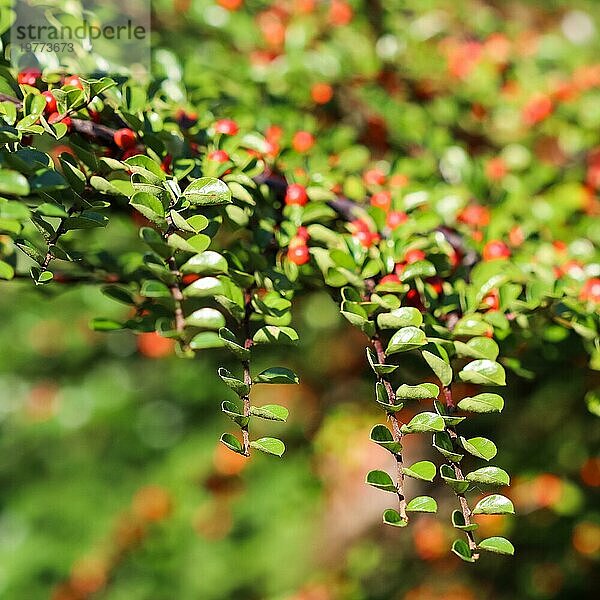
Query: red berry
[[129, 153], [219, 156], [391, 278], [340, 13], [298, 254], [492, 300], [56, 118], [396, 218], [516, 236], [296, 194], [367, 238], [302, 233], [475, 215], [29, 76], [437, 284], [495, 249], [374, 177], [50, 103], [537, 109], [274, 133], [189, 278], [185, 119], [359, 225], [74, 81], [226, 127], [495, 169], [382, 200], [303, 141], [414, 255], [231, 5], [321, 93], [166, 163], [590, 292], [413, 298], [124, 138]]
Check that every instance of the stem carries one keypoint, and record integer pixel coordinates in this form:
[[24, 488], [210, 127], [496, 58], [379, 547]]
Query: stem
[[396, 431], [462, 500], [175, 289], [247, 375]]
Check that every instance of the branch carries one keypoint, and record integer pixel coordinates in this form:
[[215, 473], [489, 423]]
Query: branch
[[464, 505], [396, 431], [247, 374]]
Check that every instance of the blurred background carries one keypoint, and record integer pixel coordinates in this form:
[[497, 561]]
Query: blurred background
[[111, 475]]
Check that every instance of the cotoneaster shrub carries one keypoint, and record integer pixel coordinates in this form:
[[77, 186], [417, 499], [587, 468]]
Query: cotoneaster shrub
[[446, 200]]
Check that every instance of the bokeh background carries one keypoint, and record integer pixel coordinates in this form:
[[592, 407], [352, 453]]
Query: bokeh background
[[111, 475]]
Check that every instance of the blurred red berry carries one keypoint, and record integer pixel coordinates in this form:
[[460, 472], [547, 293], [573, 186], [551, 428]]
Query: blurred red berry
[[74, 81], [495, 249], [298, 254], [391, 278], [492, 300], [590, 292], [374, 177], [475, 215], [124, 138], [303, 141], [302, 233], [396, 218], [414, 255], [219, 156], [399, 180], [152, 345], [296, 194], [495, 169], [537, 109], [29, 76], [359, 225], [321, 93], [437, 284], [516, 236], [340, 13], [226, 127], [166, 163], [382, 200], [230, 4], [367, 238]]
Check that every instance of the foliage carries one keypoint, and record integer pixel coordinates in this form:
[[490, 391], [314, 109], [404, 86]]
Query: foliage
[[443, 191]]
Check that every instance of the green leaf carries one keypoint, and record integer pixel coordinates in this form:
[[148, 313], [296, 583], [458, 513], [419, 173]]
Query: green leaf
[[205, 287], [489, 476], [471, 325], [149, 206], [423, 470], [101, 324], [448, 475], [497, 544], [424, 504], [496, 504], [423, 423], [420, 268], [206, 263], [423, 391], [206, 340], [482, 403], [239, 387], [13, 183], [392, 517], [154, 289], [407, 338], [271, 412], [378, 368], [382, 436], [275, 335], [269, 446], [234, 412], [458, 521], [232, 443], [207, 318], [439, 366], [478, 347], [232, 344], [443, 444], [484, 372], [480, 447], [462, 550], [404, 316], [6, 271], [277, 375], [381, 480], [196, 243], [208, 191]]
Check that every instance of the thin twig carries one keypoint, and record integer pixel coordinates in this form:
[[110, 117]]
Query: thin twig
[[247, 375], [462, 500], [396, 431]]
